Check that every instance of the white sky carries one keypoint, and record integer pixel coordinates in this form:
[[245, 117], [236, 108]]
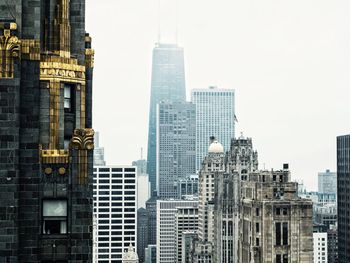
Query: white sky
[[288, 60]]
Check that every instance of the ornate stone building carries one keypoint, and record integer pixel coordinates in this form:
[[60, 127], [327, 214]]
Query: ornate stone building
[[247, 215], [275, 224], [46, 148]]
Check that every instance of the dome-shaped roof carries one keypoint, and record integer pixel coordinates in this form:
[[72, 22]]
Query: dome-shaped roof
[[216, 147]]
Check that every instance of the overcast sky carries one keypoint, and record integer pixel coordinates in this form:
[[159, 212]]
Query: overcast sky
[[288, 61]]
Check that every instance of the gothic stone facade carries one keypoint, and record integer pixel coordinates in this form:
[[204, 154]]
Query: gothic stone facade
[[46, 140]]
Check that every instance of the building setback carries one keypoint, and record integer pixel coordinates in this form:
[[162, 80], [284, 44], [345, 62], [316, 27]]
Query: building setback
[[46, 149], [168, 84], [215, 116], [115, 205], [176, 137], [343, 189]]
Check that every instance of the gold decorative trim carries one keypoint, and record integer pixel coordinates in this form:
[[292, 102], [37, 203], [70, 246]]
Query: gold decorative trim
[[30, 49], [83, 141], [54, 156], [58, 71], [9, 50], [89, 58]]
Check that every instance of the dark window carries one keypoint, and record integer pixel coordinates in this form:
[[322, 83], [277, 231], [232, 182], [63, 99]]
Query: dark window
[[278, 211], [285, 258], [129, 181], [278, 259], [129, 169], [285, 233], [257, 227], [257, 212], [257, 242], [117, 169], [278, 234]]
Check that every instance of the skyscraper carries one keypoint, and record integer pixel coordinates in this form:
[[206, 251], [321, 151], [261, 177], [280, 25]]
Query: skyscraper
[[215, 116], [327, 182], [343, 182], [99, 152], [175, 146], [168, 84], [46, 149]]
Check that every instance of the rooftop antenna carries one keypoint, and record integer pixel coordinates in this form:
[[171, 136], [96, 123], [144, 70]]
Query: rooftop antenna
[[176, 21], [159, 11]]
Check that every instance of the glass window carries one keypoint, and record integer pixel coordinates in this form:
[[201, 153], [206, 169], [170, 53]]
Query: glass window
[[67, 97], [54, 217]]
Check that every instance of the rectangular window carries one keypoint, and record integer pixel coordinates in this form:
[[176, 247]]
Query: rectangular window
[[285, 233], [67, 98], [278, 259], [285, 258], [257, 227], [54, 217], [278, 234]]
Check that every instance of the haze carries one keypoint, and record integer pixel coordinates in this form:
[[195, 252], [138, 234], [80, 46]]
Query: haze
[[289, 62]]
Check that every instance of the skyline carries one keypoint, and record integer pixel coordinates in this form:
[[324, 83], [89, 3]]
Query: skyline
[[236, 46]]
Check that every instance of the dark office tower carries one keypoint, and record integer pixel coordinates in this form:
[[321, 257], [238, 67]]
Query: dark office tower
[[168, 84], [46, 140], [142, 233], [343, 182]]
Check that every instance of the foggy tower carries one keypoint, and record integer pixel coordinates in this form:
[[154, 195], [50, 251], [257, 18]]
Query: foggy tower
[[168, 84]]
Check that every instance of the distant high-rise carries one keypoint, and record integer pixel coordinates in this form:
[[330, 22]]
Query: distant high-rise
[[151, 254], [176, 137], [99, 152], [168, 84], [327, 182], [215, 116], [142, 233], [143, 185], [343, 182], [166, 230]]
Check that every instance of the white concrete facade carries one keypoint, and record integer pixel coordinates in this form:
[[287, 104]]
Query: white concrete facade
[[166, 230], [320, 248], [215, 116], [115, 204]]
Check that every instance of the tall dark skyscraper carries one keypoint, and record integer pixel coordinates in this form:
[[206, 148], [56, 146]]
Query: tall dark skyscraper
[[343, 182], [46, 140], [168, 85]]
